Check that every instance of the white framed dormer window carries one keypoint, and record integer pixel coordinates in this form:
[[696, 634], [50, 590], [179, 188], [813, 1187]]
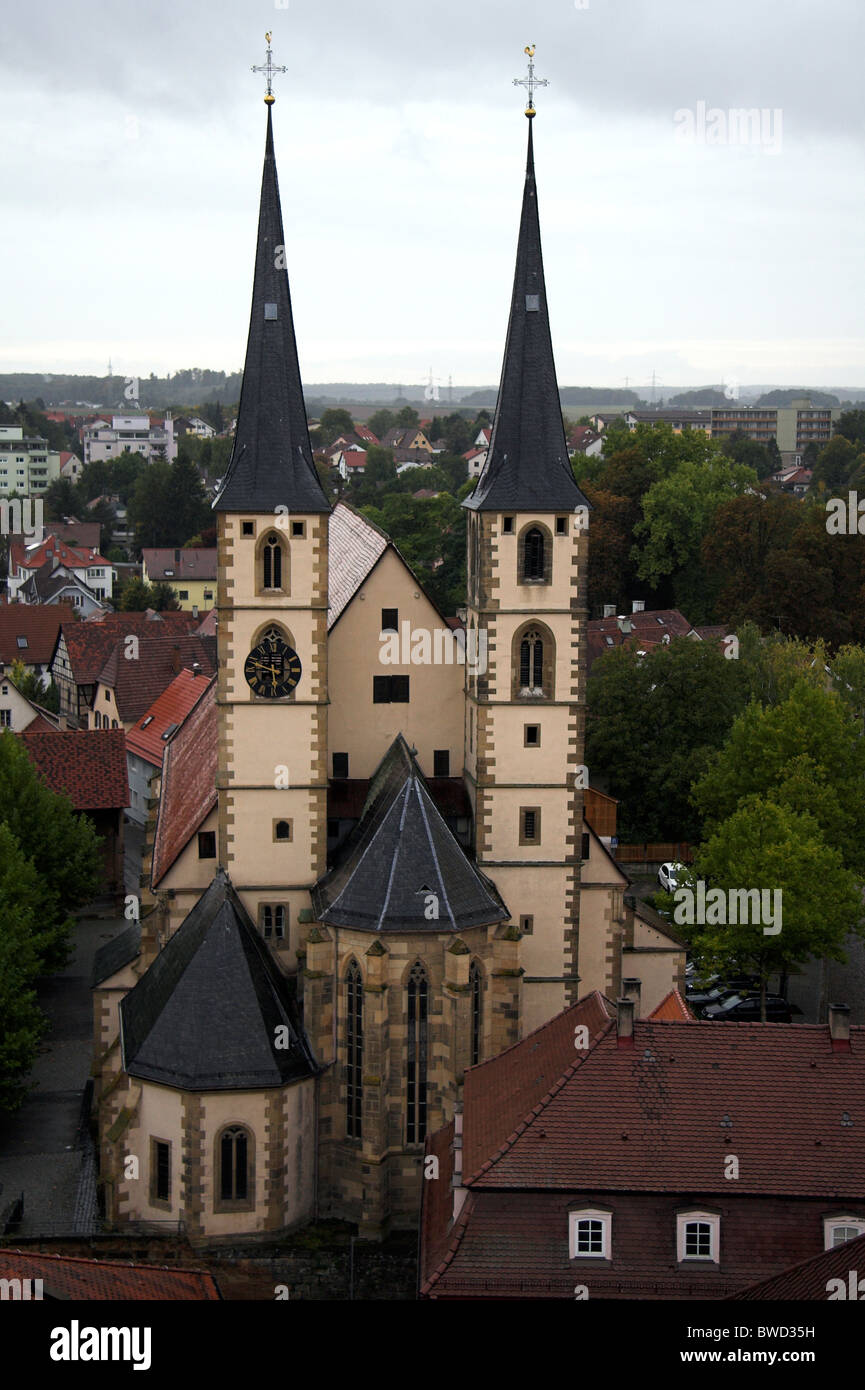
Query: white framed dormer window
[[698, 1235], [590, 1234], [837, 1230]]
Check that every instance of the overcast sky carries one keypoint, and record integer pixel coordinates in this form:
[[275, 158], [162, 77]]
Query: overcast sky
[[130, 156]]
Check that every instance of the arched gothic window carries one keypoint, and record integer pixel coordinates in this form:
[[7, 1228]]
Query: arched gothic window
[[354, 1051], [476, 989], [532, 662], [234, 1175], [416, 1083], [272, 562]]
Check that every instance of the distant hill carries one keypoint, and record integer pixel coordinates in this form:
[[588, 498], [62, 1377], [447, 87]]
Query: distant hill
[[695, 400], [786, 396]]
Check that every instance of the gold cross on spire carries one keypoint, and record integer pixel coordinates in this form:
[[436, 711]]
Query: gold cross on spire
[[531, 81], [268, 67]]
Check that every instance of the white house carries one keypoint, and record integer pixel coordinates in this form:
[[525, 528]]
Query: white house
[[129, 434]]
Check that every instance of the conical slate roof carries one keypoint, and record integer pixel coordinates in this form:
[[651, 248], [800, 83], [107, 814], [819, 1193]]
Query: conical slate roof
[[271, 462], [527, 466], [205, 1015], [401, 862]]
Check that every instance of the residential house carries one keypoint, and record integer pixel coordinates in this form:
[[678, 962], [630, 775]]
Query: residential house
[[191, 573], [657, 627], [475, 459], [351, 462], [585, 440], [365, 435], [70, 466], [31, 634], [27, 466], [612, 1156], [409, 446], [149, 736], [135, 434], [86, 564], [18, 713], [89, 766], [138, 669], [83, 649]]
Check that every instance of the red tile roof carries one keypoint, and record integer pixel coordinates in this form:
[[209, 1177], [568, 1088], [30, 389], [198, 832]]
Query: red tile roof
[[809, 1279], [89, 644], [170, 708], [89, 765], [69, 1276], [648, 629], [163, 564], [672, 1009], [188, 784], [138, 682], [676, 1089], [499, 1094], [33, 557], [39, 624]]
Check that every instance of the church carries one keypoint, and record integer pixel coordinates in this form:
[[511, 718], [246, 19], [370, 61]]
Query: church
[[368, 867]]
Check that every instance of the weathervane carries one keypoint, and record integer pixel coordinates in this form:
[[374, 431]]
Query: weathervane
[[269, 68], [531, 81]]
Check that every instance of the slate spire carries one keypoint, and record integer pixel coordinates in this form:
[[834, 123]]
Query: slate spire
[[271, 462], [527, 466]]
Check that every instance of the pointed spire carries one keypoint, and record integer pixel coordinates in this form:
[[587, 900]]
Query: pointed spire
[[527, 467], [271, 462]]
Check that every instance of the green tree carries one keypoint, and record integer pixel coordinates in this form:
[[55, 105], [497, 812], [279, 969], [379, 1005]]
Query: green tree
[[63, 848], [22, 1024], [835, 462], [852, 426], [407, 418], [136, 596], [26, 683], [813, 898], [165, 599], [805, 753], [61, 499], [678, 508], [380, 422], [333, 423]]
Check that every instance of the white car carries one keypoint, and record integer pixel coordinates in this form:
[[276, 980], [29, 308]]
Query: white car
[[669, 874]]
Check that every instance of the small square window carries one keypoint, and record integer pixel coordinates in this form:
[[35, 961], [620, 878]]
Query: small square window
[[207, 844], [390, 620], [340, 764], [247, 528], [270, 311], [508, 525], [298, 529], [441, 762], [533, 303], [590, 1234], [282, 830], [527, 925], [399, 690], [530, 825], [532, 735], [272, 920], [697, 1236], [183, 593], [22, 642], [561, 525]]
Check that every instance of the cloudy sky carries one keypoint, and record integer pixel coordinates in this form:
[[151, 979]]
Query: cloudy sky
[[130, 158]]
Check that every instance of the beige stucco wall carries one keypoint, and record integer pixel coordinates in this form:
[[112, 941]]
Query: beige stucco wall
[[433, 718]]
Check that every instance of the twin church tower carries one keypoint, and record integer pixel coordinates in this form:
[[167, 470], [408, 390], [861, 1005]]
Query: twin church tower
[[384, 887]]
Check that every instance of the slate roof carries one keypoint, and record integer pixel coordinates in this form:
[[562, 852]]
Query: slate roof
[[72, 1277], [205, 1015], [114, 954], [41, 627], [808, 1280], [271, 461], [89, 765], [527, 467], [188, 793], [138, 683], [400, 851], [145, 738], [355, 546]]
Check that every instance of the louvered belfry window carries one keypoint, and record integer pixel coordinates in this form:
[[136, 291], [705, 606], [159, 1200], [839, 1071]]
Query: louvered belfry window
[[533, 563], [416, 1085], [354, 1052]]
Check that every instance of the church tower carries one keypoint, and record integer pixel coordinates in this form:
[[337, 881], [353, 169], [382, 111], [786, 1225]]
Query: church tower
[[272, 615], [527, 541]]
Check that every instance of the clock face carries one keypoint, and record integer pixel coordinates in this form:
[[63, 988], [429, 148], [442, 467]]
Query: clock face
[[272, 668]]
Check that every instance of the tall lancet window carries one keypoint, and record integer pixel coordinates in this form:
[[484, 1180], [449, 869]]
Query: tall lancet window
[[416, 1085], [532, 663], [533, 554], [476, 990], [354, 1051], [234, 1166], [272, 561]]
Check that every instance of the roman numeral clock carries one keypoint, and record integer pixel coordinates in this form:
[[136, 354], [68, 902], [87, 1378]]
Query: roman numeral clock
[[273, 668]]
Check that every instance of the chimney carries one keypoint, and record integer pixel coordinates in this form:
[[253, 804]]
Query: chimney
[[196, 668], [638, 605], [609, 610], [195, 610], [839, 1027], [625, 624], [625, 1022], [631, 990]]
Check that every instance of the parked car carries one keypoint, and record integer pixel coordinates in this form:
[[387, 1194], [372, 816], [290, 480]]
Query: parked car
[[700, 998], [669, 875], [745, 1008]]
